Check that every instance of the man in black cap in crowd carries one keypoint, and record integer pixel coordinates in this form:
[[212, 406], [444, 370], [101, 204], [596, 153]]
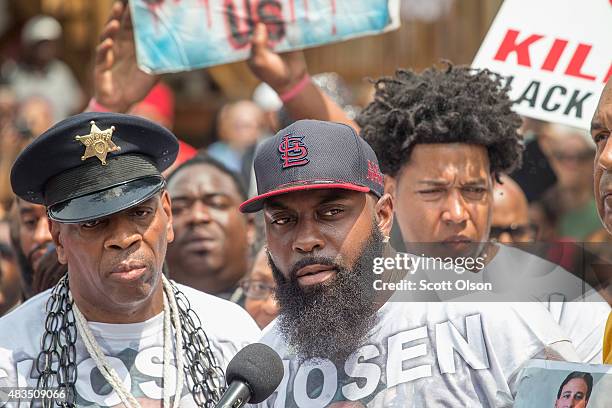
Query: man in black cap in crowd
[[327, 221], [114, 326], [212, 248]]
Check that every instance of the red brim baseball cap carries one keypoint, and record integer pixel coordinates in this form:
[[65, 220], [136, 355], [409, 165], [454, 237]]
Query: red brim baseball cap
[[311, 154]]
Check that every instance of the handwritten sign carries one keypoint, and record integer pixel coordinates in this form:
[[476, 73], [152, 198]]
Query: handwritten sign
[[557, 55], [178, 35]]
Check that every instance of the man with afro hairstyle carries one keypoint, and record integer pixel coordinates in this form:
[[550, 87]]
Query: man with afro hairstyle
[[451, 105], [443, 138]]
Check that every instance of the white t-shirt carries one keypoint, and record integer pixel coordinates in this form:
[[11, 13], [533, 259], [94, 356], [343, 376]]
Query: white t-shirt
[[584, 321], [134, 350], [426, 354]]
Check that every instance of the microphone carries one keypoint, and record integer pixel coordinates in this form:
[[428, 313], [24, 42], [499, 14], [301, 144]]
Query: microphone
[[252, 376]]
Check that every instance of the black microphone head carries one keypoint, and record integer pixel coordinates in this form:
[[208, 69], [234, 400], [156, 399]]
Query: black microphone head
[[260, 367]]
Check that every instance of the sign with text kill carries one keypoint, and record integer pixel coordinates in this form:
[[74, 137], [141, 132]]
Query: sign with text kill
[[556, 54], [179, 35]]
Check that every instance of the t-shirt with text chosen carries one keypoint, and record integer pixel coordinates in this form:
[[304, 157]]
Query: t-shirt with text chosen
[[426, 354], [134, 350]]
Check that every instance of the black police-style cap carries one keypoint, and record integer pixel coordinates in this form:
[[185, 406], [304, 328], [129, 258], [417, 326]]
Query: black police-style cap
[[93, 164], [312, 154]]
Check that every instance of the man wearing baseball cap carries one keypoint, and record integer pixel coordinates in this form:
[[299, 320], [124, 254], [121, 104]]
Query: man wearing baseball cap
[[327, 219], [114, 328]]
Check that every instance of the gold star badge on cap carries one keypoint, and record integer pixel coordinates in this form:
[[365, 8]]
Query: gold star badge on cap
[[98, 143]]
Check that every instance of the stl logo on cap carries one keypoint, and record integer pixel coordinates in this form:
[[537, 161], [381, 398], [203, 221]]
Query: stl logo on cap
[[293, 151], [98, 143], [374, 173]]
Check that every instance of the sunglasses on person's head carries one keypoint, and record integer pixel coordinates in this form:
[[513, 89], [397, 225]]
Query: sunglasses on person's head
[[518, 232], [581, 156]]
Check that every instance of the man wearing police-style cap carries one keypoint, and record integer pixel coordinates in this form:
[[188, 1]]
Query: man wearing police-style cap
[[327, 218], [114, 329]]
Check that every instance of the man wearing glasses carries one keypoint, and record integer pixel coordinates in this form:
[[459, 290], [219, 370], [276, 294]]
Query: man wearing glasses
[[258, 288], [571, 154], [510, 221]]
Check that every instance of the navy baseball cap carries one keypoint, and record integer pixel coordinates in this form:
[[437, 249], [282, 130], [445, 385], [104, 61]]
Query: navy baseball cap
[[93, 165], [312, 154]]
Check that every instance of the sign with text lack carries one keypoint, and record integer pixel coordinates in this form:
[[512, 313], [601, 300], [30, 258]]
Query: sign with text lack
[[179, 35], [556, 55]]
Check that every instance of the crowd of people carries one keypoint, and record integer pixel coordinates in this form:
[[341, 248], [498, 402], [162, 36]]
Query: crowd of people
[[123, 252]]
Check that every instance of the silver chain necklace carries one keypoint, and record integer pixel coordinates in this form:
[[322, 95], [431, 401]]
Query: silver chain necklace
[[57, 367]]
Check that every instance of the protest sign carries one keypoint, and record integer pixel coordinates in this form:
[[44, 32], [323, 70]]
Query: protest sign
[[546, 383], [557, 55], [178, 35]]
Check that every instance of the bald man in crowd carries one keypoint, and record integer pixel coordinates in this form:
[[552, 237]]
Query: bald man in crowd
[[510, 221], [240, 125]]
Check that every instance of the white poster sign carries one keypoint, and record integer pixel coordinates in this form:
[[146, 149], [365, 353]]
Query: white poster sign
[[557, 55]]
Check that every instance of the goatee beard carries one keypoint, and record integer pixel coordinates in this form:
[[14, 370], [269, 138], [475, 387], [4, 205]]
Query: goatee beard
[[330, 320]]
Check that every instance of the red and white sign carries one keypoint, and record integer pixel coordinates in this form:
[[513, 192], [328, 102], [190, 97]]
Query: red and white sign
[[557, 55]]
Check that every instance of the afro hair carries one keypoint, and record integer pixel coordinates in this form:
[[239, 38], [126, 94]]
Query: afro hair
[[452, 105]]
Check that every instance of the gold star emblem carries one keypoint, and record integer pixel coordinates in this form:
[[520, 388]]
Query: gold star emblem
[[98, 143]]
